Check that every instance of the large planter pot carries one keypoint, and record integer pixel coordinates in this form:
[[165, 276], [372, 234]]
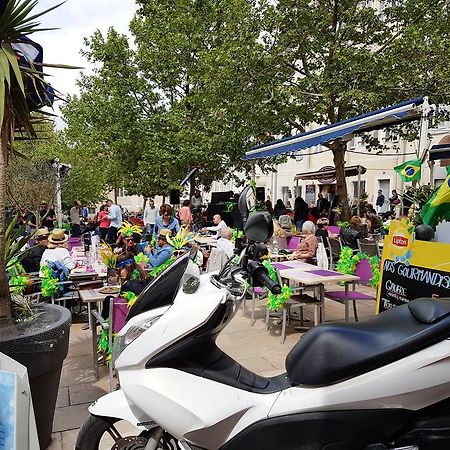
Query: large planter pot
[[41, 345]]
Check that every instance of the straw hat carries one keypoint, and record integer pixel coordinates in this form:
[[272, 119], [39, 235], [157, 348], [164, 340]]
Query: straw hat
[[164, 233], [40, 232], [57, 236]]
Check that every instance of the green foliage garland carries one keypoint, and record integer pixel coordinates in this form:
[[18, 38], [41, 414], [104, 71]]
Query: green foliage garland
[[348, 261], [157, 270], [49, 284], [141, 258], [275, 302]]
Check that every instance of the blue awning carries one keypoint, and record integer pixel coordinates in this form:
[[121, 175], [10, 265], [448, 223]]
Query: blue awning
[[403, 112], [440, 151]]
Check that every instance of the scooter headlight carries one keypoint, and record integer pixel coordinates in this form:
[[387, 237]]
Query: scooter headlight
[[121, 342]]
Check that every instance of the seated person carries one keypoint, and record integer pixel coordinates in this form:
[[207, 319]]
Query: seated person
[[163, 250], [224, 242], [285, 221], [218, 225], [373, 223], [131, 277], [166, 221], [57, 250], [322, 229], [32, 261], [351, 233], [128, 244], [307, 247], [280, 232]]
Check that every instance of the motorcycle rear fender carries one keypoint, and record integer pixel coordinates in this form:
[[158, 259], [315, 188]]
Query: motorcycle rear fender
[[116, 405]]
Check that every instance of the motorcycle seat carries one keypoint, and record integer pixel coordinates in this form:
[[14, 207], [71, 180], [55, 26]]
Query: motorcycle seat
[[334, 352]]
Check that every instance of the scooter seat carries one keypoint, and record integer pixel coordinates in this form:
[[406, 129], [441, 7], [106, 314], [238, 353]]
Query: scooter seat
[[333, 352]]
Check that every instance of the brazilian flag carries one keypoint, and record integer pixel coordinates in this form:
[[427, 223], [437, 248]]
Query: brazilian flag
[[410, 170], [437, 208]]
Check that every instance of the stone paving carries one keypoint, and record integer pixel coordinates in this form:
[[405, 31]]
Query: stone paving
[[251, 346]]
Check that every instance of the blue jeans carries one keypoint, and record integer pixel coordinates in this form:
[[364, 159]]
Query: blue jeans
[[299, 224], [149, 228]]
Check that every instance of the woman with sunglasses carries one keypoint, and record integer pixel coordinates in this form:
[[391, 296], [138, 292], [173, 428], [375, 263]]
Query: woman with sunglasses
[[166, 221]]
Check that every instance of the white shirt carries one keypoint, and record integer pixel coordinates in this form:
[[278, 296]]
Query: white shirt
[[57, 254], [226, 245], [75, 215], [217, 228], [150, 215], [115, 215]]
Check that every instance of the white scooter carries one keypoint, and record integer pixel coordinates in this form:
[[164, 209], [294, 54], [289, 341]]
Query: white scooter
[[378, 384]]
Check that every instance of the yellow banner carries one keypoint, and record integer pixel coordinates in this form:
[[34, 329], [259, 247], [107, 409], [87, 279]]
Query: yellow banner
[[410, 268]]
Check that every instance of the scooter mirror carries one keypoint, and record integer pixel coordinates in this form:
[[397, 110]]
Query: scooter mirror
[[259, 227], [246, 202]]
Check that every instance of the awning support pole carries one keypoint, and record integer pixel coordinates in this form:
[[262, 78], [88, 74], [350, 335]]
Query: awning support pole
[[359, 190]]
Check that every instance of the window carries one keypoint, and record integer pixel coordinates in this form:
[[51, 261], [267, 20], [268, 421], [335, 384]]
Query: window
[[355, 188], [297, 191], [121, 192]]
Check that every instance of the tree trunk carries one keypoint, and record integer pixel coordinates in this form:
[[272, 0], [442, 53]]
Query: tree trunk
[[192, 186], [339, 148], [5, 296]]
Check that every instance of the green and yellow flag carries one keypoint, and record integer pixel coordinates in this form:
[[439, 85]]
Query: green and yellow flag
[[410, 170], [437, 208]]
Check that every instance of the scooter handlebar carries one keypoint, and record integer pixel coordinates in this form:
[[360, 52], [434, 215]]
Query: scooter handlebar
[[260, 277]]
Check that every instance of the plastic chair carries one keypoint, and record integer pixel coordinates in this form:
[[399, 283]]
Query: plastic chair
[[364, 272], [216, 260], [293, 242]]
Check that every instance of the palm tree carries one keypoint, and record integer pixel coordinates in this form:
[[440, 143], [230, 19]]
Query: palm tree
[[22, 90]]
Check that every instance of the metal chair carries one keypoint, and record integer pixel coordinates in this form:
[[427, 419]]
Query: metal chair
[[371, 248], [335, 246], [300, 300], [258, 293]]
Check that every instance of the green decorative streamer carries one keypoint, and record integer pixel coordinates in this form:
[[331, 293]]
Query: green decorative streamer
[[157, 270], [236, 234], [135, 274], [348, 261], [49, 284], [275, 302], [103, 344], [141, 258], [130, 297]]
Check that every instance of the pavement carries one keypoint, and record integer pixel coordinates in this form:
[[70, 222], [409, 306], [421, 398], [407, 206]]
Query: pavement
[[251, 346]]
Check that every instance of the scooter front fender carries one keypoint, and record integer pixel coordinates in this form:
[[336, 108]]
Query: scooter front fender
[[115, 404]]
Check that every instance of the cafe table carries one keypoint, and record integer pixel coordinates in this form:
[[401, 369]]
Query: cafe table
[[92, 297], [308, 275]]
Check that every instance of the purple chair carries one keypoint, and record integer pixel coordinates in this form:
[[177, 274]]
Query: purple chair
[[334, 229], [73, 242], [293, 242], [364, 272]]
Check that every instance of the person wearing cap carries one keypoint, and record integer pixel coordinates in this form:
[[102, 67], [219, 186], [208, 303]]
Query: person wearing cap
[[163, 250], [32, 261], [57, 249]]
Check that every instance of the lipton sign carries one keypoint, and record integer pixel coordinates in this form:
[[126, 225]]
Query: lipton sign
[[400, 241]]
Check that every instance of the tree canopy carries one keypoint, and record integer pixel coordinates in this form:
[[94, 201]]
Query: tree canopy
[[205, 80]]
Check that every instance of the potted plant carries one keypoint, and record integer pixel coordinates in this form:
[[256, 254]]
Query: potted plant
[[38, 340]]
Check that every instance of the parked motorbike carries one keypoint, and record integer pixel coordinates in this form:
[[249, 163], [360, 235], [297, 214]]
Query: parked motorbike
[[377, 384]]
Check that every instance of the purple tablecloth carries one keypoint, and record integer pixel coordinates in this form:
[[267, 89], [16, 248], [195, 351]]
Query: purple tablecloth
[[322, 273], [281, 266]]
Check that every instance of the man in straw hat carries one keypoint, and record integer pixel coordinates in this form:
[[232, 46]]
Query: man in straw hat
[[163, 249], [31, 262]]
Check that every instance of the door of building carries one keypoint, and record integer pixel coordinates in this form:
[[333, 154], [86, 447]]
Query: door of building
[[385, 186]]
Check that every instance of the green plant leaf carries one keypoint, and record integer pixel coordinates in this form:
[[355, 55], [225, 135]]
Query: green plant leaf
[[14, 64]]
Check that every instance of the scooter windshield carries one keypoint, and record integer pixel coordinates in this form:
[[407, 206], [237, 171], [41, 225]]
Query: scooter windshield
[[162, 290]]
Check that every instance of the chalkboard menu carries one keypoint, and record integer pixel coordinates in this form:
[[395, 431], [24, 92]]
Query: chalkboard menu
[[411, 268]]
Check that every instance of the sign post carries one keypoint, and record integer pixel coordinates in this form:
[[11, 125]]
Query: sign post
[[411, 269]]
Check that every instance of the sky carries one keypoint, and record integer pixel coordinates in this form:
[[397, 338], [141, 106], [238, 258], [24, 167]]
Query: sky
[[76, 20]]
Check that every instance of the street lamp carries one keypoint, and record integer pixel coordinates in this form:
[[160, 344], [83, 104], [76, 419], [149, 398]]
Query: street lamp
[[61, 171]]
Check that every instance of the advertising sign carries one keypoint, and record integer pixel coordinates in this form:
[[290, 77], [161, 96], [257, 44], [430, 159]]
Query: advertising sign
[[411, 269]]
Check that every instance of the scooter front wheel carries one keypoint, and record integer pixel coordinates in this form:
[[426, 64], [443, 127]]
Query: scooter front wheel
[[109, 433]]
